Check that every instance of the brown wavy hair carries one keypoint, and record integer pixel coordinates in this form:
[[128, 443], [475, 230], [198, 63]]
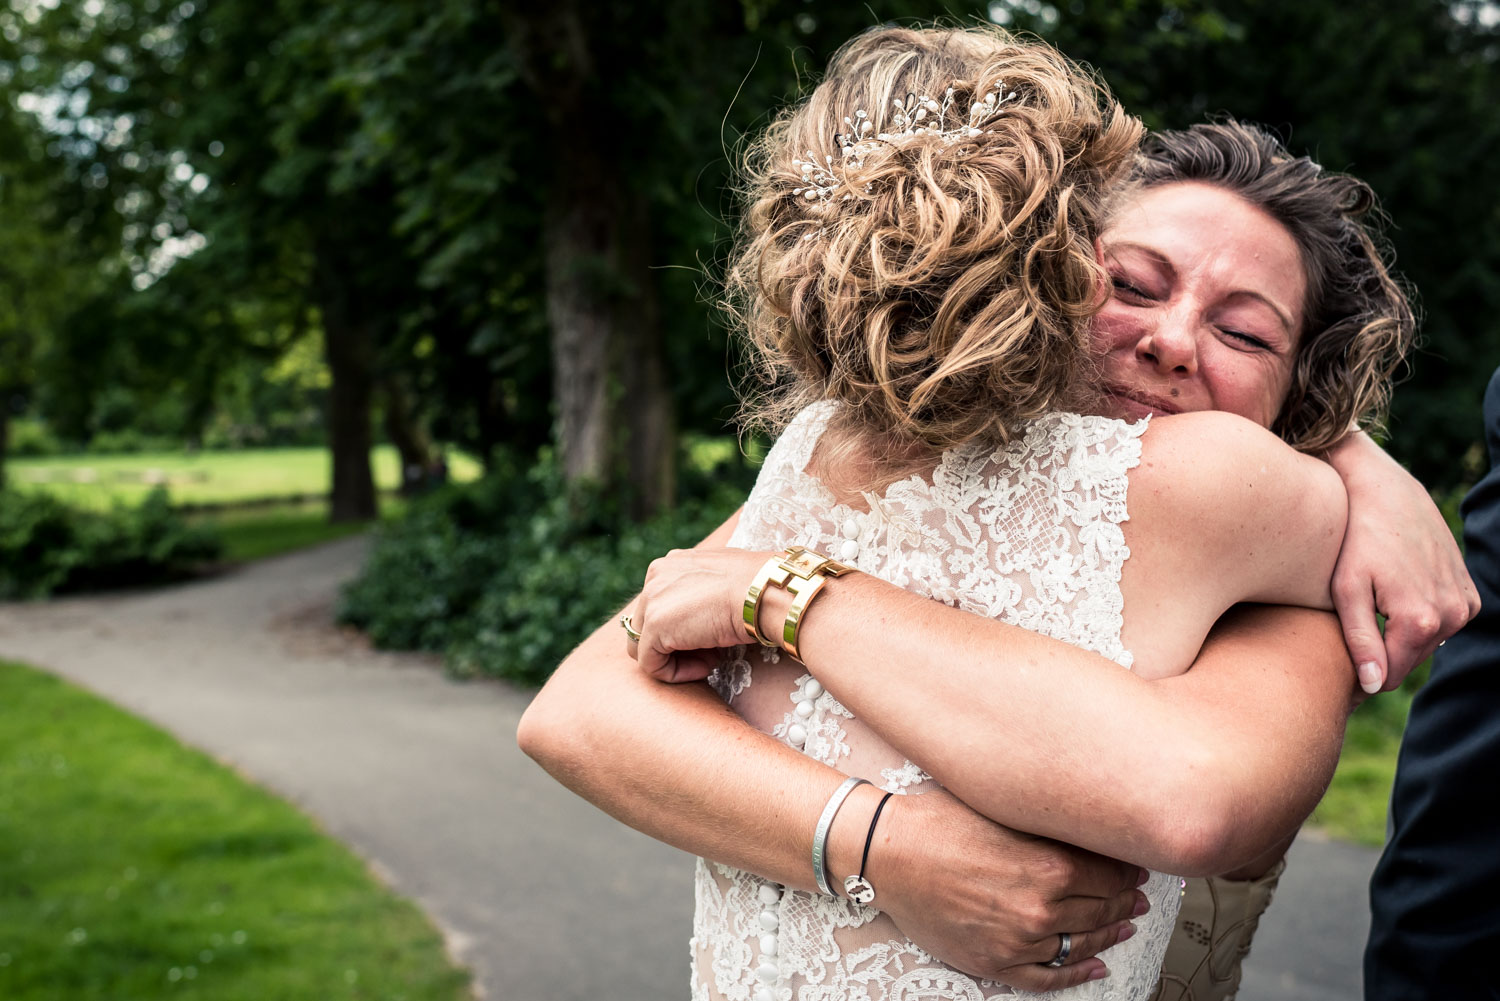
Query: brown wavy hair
[[1358, 322], [943, 290]]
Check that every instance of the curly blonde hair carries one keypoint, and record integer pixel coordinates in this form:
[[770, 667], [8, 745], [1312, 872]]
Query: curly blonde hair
[[1358, 324], [942, 288]]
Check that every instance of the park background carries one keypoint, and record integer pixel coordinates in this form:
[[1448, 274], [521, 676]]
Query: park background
[[276, 272]]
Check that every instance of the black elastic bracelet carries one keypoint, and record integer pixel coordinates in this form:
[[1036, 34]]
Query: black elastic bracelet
[[859, 889]]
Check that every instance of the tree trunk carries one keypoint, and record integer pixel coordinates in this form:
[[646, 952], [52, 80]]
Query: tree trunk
[[411, 441], [650, 425], [614, 415], [349, 347]]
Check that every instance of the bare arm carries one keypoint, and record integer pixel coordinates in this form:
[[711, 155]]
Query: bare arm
[[1399, 558], [674, 762], [1193, 773], [1047, 738]]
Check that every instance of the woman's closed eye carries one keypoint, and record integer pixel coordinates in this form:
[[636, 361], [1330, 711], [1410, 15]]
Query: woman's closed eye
[[1249, 340], [1125, 287]]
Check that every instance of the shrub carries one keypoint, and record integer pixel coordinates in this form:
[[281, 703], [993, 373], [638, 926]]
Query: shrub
[[30, 437], [47, 546], [129, 441], [506, 575]]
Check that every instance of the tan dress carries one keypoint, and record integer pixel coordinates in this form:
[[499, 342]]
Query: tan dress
[[1214, 928]]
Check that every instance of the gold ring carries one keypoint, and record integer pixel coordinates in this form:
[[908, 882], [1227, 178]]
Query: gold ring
[[635, 637]]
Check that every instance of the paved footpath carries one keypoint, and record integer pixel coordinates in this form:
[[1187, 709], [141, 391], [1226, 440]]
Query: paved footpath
[[543, 896]]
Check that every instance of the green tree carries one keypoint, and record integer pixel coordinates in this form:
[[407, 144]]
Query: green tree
[[502, 219], [44, 260]]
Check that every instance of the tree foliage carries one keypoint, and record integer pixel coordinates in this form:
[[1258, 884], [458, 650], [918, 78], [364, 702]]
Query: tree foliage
[[443, 194]]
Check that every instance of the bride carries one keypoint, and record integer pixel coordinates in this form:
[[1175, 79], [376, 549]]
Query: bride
[[927, 278]]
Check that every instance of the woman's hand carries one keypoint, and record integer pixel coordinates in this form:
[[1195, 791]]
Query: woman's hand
[[691, 606], [1398, 559], [994, 902]]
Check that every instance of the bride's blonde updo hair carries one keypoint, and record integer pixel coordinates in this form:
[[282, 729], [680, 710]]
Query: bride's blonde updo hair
[[934, 277]]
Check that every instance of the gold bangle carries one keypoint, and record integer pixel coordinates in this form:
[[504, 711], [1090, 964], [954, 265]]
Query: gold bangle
[[801, 571], [771, 573], [803, 592]]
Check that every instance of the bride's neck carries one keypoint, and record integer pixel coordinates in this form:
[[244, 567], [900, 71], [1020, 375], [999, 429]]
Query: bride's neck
[[851, 464]]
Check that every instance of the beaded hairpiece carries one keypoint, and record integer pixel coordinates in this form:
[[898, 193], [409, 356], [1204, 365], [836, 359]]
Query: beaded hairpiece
[[916, 116]]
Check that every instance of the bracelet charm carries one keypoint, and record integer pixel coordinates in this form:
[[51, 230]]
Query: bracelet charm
[[858, 887]]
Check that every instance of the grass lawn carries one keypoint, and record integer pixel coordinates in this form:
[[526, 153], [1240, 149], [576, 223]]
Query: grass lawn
[[204, 478], [255, 532], [133, 868]]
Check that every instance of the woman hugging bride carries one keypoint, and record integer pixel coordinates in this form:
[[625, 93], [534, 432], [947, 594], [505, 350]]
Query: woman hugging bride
[[971, 293]]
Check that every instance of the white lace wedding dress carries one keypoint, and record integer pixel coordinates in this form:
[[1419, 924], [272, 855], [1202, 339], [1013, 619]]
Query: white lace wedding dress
[[1029, 535]]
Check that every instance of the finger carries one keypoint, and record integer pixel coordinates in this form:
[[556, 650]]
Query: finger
[[1356, 607], [692, 665], [1092, 943], [1471, 596], [1080, 873], [1034, 977], [1456, 614], [1082, 945], [632, 634], [1410, 637], [659, 665], [653, 660], [1092, 913]]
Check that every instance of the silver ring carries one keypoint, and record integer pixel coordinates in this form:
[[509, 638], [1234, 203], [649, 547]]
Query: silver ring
[[635, 637], [1062, 952]]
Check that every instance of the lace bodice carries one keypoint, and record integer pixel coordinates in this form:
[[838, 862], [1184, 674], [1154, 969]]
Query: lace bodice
[[1030, 535]]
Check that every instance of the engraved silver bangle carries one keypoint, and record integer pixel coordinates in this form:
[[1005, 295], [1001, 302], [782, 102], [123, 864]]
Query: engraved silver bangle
[[825, 823]]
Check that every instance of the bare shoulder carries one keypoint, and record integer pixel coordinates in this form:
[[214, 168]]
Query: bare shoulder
[[1244, 502], [1230, 461]]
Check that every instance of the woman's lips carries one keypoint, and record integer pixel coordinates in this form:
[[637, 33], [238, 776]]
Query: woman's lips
[[1138, 403]]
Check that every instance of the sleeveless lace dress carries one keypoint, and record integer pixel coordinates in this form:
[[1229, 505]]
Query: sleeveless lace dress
[[1029, 535]]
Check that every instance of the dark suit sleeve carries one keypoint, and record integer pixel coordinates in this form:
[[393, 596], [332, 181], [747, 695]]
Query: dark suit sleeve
[[1435, 896]]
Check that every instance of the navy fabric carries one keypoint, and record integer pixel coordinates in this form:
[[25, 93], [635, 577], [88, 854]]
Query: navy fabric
[[1435, 896]]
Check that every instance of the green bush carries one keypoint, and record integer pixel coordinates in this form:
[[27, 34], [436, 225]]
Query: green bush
[[506, 575], [47, 546], [129, 441], [30, 437]]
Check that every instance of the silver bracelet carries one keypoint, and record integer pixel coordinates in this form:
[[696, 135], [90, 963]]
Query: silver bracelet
[[820, 836]]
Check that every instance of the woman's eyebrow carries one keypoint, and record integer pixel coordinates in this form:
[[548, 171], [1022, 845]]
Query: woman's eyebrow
[[1161, 260], [1281, 314], [1156, 256]]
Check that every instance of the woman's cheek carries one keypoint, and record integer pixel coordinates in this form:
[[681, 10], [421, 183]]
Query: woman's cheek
[[1112, 329], [1252, 392]]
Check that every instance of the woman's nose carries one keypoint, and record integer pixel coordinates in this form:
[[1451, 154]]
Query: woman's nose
[[1171, 345]]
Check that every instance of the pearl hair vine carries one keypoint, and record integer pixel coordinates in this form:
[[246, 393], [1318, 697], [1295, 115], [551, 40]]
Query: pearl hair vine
[[915, 116]]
